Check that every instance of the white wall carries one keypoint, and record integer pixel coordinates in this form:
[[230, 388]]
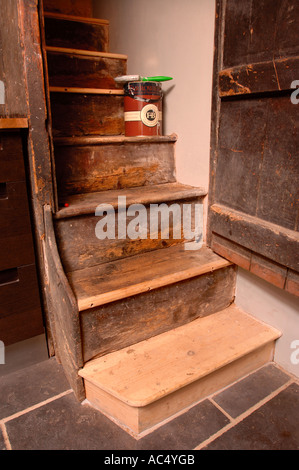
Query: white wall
[[275, 307], [174, 38]]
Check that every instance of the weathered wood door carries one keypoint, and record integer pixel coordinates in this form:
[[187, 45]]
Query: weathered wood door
[[254, 179]]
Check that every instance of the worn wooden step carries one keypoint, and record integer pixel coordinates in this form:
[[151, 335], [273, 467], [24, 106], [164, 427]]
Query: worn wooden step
[[135, 298], [78, 227], [93, 287], [142, 385], [88, 111], [76, 32], [84, 69], [69, 7], [87, 164]]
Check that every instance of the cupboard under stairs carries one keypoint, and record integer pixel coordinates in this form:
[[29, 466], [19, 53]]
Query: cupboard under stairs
[[144, 327]]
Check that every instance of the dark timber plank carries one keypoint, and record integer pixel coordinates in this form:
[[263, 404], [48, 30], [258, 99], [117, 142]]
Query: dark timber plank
[[129, 320], [80, 204], [117, 280], [76, 32]]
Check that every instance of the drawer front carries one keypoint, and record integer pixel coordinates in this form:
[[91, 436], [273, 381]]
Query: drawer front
[[20, 311], [11, 157], [16, 243]]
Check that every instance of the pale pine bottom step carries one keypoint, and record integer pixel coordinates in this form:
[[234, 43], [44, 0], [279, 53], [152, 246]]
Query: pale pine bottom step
[[142, 385]]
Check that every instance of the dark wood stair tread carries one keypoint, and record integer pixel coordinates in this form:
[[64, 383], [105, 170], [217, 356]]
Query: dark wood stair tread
[[85, 53], [80, 204], [112, 139], [98, 285], [78, 19]]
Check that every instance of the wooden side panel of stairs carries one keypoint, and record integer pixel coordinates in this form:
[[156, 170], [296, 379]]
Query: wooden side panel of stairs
[[120, 306]]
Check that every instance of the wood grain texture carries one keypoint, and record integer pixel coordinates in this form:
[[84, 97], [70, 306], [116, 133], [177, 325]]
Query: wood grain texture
[[260, 31], [16, 233], [272, 272], [81, 71], [76, 114], [129, 320], [271, 241], [94, 165], [63, 311], [137, 420], [152, 369], [83, 204], [74, 33], [11, 157], [80, 248], [261, 77], [253, 196], [69, 7], [120, 279], [13, 123], [12, 62]]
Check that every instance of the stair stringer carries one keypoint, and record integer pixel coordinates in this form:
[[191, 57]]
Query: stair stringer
[[63, 309]]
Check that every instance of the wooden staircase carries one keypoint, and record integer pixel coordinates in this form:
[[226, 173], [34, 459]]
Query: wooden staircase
[[144, 327]]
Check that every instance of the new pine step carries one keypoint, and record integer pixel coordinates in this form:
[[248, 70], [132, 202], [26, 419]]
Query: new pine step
[[135, 298], [72, 68], [91, 164], [142, 385], [78, 227], [75, 32]]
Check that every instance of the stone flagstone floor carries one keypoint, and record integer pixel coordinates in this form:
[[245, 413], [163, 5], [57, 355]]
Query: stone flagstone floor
[[38, 411]]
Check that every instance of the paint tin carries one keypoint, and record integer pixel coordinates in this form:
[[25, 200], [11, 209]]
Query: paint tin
[[143, 108]]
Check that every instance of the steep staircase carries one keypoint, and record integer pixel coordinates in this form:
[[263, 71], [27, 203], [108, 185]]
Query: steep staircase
[[148, 324]]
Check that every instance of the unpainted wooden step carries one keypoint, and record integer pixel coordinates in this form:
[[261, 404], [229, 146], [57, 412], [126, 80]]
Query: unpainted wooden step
[[95, 163], [76, 32], [108, 282], [148, 382], [133, 299], [87, 111], [140, 220], [73, 68]]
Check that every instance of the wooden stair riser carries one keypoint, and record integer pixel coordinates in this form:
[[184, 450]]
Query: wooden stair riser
[[80, 248], [125, 322], [84, 169], [89, 36], [78, 114], [73, 70]]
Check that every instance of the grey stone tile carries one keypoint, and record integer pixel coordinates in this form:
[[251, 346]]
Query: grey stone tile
[[2, 442], [186, 431], [274, 426], [241, 396], [30, 386], [65, 424]]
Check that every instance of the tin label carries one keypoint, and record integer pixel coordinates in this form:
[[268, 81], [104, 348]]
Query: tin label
[[150, 115]]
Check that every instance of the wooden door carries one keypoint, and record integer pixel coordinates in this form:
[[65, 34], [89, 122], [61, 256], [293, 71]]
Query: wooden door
[[254, 178]]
